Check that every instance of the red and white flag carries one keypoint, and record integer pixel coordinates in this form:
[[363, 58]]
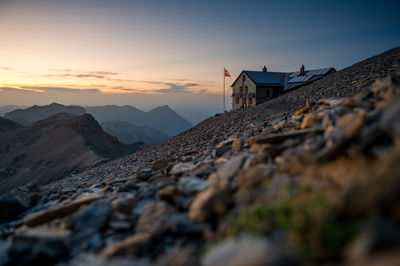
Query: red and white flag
[[227, 73]]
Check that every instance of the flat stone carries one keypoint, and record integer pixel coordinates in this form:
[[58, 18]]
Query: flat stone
[[136, 244], [237, 144], [181, 168], [210, 203], [309, 120], [154, 219], [142, 206], [222, 148], [352, 123], [11, 206], [43, 232], [253, 177], [46, 216], [192, 184], [94, 217], [390, 118], [247, 250], [278, 138], [231, 167]]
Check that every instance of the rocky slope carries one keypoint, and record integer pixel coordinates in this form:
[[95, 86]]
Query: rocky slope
[[308, 178], [35, 113], [129, 134], [52, 148]]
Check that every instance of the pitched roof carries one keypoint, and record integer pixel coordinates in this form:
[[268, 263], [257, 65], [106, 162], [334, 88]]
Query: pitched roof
[[287, 80], [266, 78], [296, 80]]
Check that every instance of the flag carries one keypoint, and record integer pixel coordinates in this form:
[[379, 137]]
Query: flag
[[226, 73]]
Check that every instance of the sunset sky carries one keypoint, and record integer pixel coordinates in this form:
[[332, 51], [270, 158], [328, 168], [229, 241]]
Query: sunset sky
[[150, 53]]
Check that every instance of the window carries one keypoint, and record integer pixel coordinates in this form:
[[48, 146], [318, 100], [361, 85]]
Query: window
[[250, 101], [244, 78], [241, 89], [237, 100], [246, 89], [244, 101]]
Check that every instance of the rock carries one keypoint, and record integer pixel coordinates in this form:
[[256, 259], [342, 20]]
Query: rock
[[154, 219], [231, 167], [94, 260], [167, 193], [180, 168], [222, 148], [209, 204], [160, 165], [376, 236], [37, 252], [144, 173], [390, 118], [60, 211], [249, 251], [253, 177], [142, 206], [11, 206], [237, 144], [43, 232], [137, 244], [352, 123], [94, 217], [278, 138], [124, 203], [281, 187], [192, 184], [4, 250], [180, 256], [203, 170], [179, 224], [309, 120], [378, 193]]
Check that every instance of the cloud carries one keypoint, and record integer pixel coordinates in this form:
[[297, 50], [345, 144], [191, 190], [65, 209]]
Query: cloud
[[19, 89], [106, 75], [63, 89], [5, 68], [177, 87], [42, 89]]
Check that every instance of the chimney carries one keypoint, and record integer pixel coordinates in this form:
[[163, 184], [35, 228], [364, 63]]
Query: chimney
[[264, 69], [302, 70]]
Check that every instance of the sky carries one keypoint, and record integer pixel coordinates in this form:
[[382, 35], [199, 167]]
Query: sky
[[152, 53]]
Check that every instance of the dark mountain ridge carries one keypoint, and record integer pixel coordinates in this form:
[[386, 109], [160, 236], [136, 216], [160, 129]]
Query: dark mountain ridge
[[162, 118], [50, 148], [35, 113], [129, 133]]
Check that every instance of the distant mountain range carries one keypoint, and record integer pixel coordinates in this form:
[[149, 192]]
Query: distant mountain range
[[35, 113], [162, 118], [51, 148], [128, 133]]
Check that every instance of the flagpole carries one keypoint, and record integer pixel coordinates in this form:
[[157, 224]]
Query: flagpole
[[224, 91]]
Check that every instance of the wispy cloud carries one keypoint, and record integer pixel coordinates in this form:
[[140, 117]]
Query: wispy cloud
[[41, 89], [19, 89], [62, 89], [106, 75], [5, 68]]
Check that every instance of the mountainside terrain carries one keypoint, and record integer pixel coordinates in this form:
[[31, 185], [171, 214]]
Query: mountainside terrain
[[35, 113], [162, 118], [50, 148], [129, 134], [308, 178]]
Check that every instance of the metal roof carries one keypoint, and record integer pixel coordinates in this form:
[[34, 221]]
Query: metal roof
[[267, 78], [286, 80]]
